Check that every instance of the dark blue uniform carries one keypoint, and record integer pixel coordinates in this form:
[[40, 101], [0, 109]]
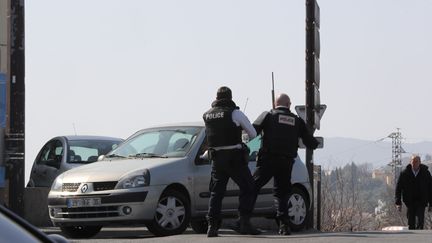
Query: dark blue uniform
[[226, 162], [281, 131]]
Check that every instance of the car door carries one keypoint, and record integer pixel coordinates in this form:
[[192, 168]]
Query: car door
[[202, 169], [47, 164], [201, 186]]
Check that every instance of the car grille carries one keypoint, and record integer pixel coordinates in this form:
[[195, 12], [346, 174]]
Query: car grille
[[103, 186], [97, 186], [89, 212], [70, 187]]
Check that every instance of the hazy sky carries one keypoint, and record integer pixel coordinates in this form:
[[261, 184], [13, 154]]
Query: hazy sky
[[106, 67]]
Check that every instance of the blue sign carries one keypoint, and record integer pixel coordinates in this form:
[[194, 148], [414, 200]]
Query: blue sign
[[2, 100], [2, 176]]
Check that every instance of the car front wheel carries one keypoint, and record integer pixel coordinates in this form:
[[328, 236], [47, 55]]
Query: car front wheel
[[76, 232], [297, 209], [172, 214]]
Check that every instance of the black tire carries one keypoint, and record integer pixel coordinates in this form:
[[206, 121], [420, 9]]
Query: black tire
[[298, 209], [172, 214], [199, 226], [77, 232]]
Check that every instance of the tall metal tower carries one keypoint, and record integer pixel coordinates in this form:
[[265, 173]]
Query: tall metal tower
[[396, 153]]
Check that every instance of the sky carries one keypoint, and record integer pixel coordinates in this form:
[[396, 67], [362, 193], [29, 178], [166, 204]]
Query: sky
[[106, 67]]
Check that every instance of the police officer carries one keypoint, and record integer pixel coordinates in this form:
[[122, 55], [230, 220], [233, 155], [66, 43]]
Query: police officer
[[281, 131], [224, 123]]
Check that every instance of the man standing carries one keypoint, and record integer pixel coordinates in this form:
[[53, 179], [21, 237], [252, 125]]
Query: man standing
[[415, 187], [281, 131], [224, 123]]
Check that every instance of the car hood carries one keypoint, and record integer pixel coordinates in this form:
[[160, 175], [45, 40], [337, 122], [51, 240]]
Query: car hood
[[112, 170]]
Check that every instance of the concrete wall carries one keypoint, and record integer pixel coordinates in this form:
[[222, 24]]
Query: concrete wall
[[35, 206]]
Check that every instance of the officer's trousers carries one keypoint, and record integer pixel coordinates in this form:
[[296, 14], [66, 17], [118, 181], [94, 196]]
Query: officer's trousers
[[230, 164], [279, 167]]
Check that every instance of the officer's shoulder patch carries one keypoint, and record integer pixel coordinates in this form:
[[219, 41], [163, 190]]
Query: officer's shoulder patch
[[288, 120]]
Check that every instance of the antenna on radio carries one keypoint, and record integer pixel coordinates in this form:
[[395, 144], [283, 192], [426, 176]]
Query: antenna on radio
[[244, 109]]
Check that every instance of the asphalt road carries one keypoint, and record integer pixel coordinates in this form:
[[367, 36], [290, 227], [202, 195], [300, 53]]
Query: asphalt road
[[140, 234]]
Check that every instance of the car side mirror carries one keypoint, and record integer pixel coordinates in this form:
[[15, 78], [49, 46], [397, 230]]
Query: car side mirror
[[101, 157]]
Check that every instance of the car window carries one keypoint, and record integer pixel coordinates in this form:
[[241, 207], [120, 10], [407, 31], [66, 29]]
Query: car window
[[163, 142], [52, 154], [87, 151]]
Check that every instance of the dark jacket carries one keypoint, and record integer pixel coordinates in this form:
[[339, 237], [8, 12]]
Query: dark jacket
[[414, 190], [281, 131]]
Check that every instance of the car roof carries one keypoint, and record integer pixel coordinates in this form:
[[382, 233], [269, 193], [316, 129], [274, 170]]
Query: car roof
[[180, 124], [91, 137]]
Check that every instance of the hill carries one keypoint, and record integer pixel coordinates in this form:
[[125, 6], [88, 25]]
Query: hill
[[338, 152]]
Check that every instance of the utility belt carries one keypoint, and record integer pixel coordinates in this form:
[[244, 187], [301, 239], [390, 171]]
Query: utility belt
[[242, 146], [271, 153]]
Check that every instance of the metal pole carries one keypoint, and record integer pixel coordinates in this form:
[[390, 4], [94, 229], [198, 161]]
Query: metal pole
[[310, 99], [318, 197], [16, 110]]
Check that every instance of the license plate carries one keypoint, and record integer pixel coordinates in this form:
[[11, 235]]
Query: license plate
[[82, 202]]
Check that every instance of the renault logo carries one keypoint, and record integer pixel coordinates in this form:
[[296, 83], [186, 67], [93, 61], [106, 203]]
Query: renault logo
[[84, 188]]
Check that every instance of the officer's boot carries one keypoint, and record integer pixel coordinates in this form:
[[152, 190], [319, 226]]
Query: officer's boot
[[284, 228], [245, 226], [213, 226]]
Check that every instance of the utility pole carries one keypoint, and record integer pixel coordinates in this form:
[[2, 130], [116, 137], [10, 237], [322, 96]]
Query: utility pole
[[396, 153], [312, 87], [4, 57], [14, 137]]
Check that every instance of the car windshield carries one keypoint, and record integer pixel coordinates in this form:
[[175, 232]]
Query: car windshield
[[88, 151], [167, 142]]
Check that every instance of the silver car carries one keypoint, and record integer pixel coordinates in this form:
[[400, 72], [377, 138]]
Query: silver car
[[157, 177], [63, 153]]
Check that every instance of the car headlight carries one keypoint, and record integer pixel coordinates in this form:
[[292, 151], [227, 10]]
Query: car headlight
[[57, 184], [136, 179]]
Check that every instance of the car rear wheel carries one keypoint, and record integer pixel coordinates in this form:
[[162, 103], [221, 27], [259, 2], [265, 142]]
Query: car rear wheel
[[172, 214], [297, 209], [76, 232], [199, 226]]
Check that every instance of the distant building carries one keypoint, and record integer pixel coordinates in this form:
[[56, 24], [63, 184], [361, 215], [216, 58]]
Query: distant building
[[383, 175]]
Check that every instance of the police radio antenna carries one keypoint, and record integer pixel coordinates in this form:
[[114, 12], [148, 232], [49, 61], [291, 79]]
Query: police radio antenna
[[272, 91], [73, 124], [244, 109]]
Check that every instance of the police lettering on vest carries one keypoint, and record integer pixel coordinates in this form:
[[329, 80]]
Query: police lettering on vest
[[281, 134], [214, 115]]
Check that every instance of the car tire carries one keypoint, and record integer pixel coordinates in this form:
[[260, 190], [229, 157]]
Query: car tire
[[199, 226], [76, 232], [298, 209], [172, 214]]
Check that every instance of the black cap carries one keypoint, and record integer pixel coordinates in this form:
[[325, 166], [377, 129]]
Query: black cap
[[223, 93]]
